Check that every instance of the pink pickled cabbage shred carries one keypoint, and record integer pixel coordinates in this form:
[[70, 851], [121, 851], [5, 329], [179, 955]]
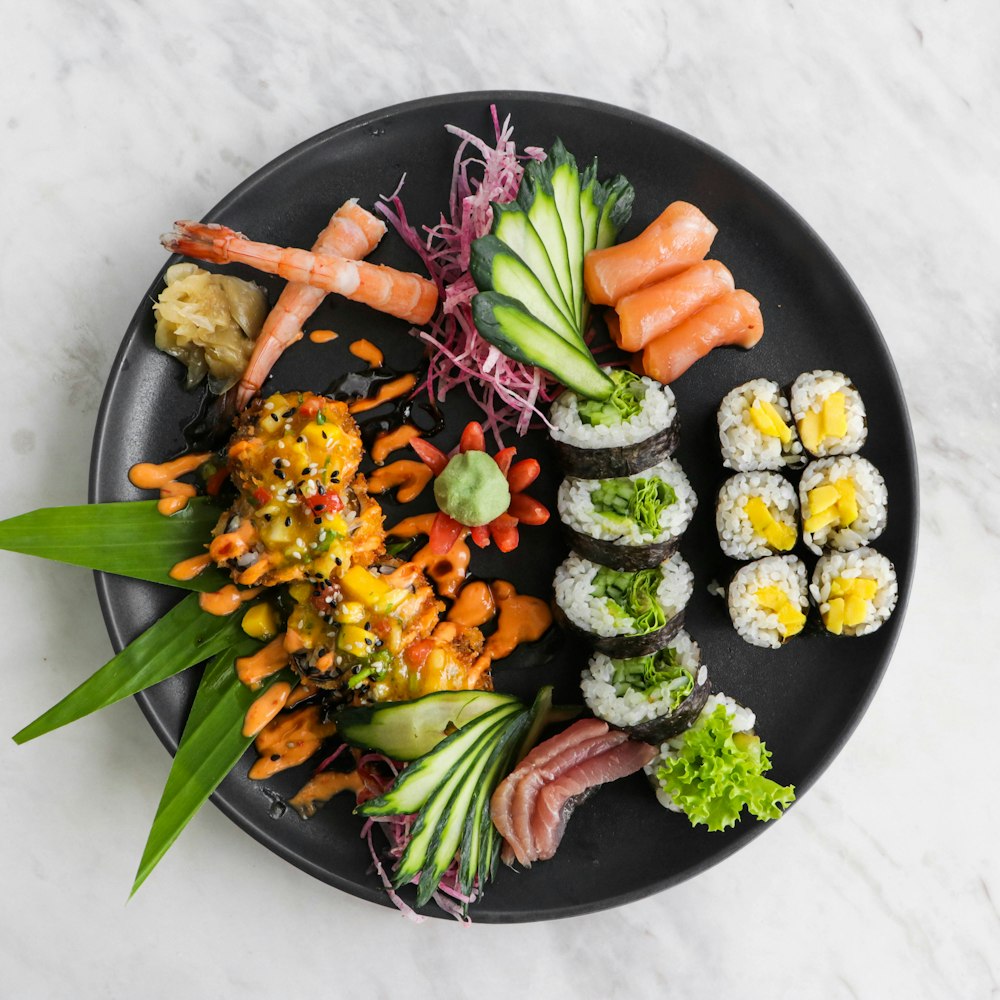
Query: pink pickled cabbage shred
[[508, 392]]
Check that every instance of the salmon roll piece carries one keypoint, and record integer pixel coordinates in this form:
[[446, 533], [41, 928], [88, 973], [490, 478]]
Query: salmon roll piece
[[652, 311], [733, 318], [679, 237]]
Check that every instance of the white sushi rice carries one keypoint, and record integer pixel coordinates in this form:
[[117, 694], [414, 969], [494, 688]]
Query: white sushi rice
[[744, 446], [871, 496], [850, 565], [576, 508], [736, 534], [659, 409], [755, 624], [809, 391], [574, 593], [634, 706], [743, 721]]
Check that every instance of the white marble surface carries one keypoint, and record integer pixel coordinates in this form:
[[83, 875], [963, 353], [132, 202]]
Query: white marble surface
[[878, 121]]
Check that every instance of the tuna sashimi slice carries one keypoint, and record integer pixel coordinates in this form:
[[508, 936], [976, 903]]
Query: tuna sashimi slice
[[502, 801], [555, 802]]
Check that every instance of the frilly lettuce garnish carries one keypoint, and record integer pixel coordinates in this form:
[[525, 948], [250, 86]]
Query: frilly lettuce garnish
[[632, 595], [639, 500], [716, 773]]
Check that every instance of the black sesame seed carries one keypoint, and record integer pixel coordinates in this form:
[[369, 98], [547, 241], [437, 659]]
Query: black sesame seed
[[306, 471], [287, 413], [288, 522], [300, 439], [267, 517], [324, 434], [274, 417], [337, 560], [279, 473], [276, 756], [317, 520]]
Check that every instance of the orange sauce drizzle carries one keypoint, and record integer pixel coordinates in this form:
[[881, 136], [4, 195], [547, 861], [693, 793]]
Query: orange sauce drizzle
[[188, 569], [367, 351], [410, 527], [410, 477], [389, 441], [226, 600], [447, 571], [233, 544], [387, 391], [321, 788], [322, 336], [251, 670], [174, 495], [290, 739], [266, 707], [521, 618], [474, 605]]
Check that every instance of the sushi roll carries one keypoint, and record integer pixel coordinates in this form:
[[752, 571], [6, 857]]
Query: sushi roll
[[633, 431], [844, 503], [654, 697], [629, 523], [829, 413], [756, 430], [757, 514], [768, 600], [855, 591], [623, 614]]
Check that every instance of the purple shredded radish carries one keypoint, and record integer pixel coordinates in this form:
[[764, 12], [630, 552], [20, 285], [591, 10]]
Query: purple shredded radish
[[508, 392]]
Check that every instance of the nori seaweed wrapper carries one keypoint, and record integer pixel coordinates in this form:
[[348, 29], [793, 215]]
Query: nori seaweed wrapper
[[623, 647], [618, 555], [624, 460]]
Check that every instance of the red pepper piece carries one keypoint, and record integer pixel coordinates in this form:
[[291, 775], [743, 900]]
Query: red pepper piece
[[311, 407], [472, 438], [444, 533], [261, 496], [432, 457], [523, 474], [504, 458], [527, 509], [480, 535], [504, 532], [329, 502]]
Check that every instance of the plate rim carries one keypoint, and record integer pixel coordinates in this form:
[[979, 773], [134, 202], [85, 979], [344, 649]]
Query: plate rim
[[373, 892]]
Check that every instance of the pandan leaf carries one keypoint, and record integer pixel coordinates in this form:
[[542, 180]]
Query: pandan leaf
[[210, 747], [184, 636], [129, 539]]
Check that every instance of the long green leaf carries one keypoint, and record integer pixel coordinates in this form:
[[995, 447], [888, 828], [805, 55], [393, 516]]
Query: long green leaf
[[184, 636], [212, 744], [130, 539]]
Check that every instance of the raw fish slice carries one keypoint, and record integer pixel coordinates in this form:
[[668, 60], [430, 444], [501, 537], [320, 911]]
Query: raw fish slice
[[652, 311], [556, 801], [731, 319], [503, 797], [678, 238]]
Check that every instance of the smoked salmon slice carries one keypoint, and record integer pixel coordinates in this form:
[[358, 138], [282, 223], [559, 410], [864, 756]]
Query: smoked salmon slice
[[679, 237], [733, 318], [652, 311]]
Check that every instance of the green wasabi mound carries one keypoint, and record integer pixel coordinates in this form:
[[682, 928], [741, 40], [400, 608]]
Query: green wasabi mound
[[472, 489]]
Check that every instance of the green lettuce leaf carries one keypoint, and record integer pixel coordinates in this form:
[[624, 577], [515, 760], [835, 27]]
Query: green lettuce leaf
[[621, 406], [647, 674], [632, 595], [641, 501], [717, 773]]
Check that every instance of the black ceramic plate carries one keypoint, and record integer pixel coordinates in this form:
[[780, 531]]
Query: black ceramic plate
[[808, 696]]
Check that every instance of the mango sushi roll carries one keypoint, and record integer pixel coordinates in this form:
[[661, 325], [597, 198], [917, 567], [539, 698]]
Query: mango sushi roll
[[768, 600], [844, 503], [856, 591], [756, 515], [756, 429], [829, 413]]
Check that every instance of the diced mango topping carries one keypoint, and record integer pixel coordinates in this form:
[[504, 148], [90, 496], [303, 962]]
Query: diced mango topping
[[350, 613], [829, 421], [849, 601], [261, 622], [777, 534], [832, 503], [790, 618], [768, 421], [356, 640], [360, 585]]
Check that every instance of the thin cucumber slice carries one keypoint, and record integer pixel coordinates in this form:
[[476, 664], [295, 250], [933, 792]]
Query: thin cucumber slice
[[537, 198], [565, 181]]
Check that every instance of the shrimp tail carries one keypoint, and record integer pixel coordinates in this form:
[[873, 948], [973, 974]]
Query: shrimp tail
[[206, 241]]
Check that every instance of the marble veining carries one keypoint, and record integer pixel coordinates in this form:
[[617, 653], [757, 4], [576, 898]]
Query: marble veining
[[878, 122]]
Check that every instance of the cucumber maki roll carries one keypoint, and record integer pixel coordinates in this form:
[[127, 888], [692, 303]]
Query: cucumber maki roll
[[714, 770], [756, 430], [623, 614], [654, 697], [632, 431], [757, 514], [855, 591], [628, 523], [844, 503], [768, 600], [829, 413]]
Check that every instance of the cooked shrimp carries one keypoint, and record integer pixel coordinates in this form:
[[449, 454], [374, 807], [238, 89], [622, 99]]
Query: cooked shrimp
[[398, 293], [679, 237], [733, 318], [352, 233]]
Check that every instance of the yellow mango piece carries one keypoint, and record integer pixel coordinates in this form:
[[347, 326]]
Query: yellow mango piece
[[350, 613], [855, 609], [360, 585], [829, 516], [790, 620], [301, 592], [768, 421], [780, 536], [811, 430], [865, 588], [758, 514], [771, 598], [356, 640], [847, 504], [840, 586], [823, 497], [834, 618], [261, 622], [834, 422]]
